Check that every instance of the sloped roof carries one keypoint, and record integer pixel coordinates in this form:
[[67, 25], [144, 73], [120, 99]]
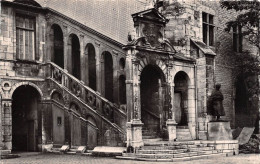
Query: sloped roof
[[109, 17], [203, 47]]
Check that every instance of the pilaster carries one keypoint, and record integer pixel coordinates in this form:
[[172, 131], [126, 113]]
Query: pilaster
[[6, 129]]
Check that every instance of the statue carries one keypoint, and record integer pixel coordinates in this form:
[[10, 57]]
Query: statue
[[215, 103]]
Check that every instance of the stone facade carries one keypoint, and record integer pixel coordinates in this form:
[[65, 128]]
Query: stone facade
[[91, 88]]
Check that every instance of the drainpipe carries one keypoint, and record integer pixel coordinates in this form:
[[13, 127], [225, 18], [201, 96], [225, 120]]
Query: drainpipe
[[196, 103]]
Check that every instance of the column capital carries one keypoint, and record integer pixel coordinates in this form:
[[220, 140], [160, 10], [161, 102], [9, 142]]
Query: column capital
[[7, 102]]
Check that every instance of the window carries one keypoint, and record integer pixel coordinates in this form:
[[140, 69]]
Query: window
[[58, 121], [25, 38], [237, 38], [208, 29]]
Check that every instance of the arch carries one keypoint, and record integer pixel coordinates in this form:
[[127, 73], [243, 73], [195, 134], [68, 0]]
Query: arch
[[145, 61], [91, 119], [74, 107], [56, 95], [122, 63], [181, 99], [74, 66], [152, 99], [91, 70], [25, 83], [57, 47], [25, 118], [122, 89], [107, 72]]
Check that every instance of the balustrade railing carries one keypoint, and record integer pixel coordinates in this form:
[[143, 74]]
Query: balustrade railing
[[83, 92]]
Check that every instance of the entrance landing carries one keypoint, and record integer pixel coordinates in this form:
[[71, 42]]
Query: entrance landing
[[166, 151]]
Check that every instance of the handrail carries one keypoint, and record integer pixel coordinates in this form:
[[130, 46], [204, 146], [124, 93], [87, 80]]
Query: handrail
[[151, 113], [85, 87], [105, 119]]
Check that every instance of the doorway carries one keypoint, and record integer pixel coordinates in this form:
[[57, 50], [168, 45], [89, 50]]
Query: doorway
[[25, 119], [152, 97]]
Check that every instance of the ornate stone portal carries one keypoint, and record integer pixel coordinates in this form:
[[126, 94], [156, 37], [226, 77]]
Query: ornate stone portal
[[151, 64]]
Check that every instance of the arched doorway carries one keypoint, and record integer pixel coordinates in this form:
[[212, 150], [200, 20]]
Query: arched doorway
[[152, 97], [91, 56], [26, 132], [108, 75], [58, 47], [74, 50], [181, 82]]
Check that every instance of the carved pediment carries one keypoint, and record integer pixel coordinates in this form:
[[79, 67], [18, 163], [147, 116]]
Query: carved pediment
[[150, 15], [28, 2]]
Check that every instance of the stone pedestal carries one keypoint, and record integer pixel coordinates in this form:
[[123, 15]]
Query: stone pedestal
[[171, 127], [219, 131], [134, 133]]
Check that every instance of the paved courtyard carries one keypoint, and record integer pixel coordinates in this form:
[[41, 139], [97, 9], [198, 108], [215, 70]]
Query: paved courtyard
[[63, 159]]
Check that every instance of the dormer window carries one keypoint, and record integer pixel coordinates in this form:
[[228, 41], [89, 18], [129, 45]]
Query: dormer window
[[25, 37], [208, 28]]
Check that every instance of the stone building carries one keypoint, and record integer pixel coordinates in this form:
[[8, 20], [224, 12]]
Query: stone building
[[93, 74]]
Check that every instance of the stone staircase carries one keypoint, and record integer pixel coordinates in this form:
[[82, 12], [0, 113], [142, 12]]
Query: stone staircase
[[165, 151], [92, 101], [183, 133]]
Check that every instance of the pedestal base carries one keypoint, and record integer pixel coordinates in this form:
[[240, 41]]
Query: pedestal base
[[219, 131], [171, 127], [134, 133]]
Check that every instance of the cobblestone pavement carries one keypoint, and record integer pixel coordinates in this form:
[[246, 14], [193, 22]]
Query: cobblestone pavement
[[64, 159]]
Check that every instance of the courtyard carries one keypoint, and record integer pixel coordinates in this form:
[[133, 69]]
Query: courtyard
[[39, 158]]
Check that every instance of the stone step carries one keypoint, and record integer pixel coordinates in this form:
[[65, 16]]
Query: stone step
[[163, 151], [170, 147], [171, 151], [151, 140], [71, 152], [175, 155], [183, 134], [173, 159], [174, 143], [149, 137]]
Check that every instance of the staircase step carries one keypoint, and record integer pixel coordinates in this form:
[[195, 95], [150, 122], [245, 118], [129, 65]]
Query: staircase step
[[71, 152], [163, 151], [174, 159], [152, 140], [174, 151], [149, 137], [170, 156]]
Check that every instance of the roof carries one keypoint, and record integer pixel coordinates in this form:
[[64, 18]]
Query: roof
[[203, 47], [112, 18]]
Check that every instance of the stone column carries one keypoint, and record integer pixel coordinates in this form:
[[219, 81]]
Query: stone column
[[192, 111], [66, 53], [7, 123], [98, 74], [134, 124], [83, 64], [171, 123], [98, 66]]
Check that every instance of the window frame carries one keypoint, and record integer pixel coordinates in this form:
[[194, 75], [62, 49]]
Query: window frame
[[208, 29], [29, 16]]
